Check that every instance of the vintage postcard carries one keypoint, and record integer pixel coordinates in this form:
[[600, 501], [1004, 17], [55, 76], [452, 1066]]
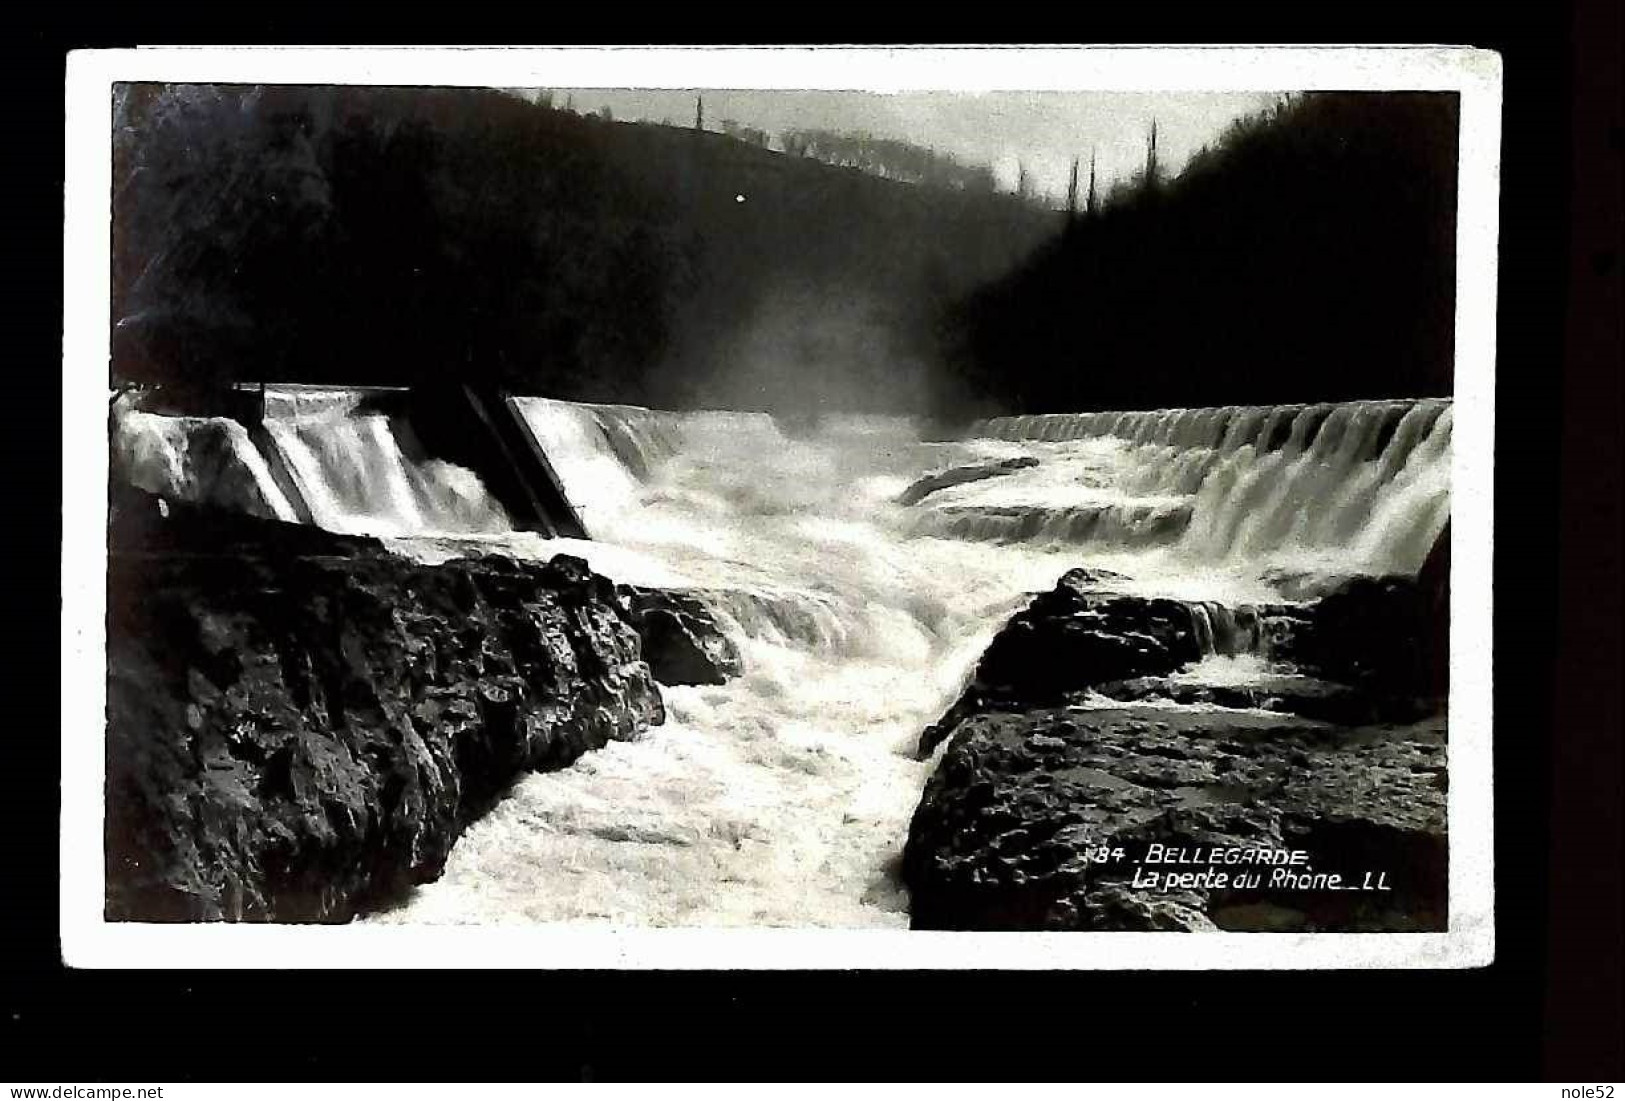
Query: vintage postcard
[[779, 507]]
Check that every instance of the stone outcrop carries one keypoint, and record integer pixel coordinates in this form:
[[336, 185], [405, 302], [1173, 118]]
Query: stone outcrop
[[1063, 747], [1004, 834], [1387, 636], [1078, 636], [682, 641], [300, 724], [962, 475], [1067, 640]]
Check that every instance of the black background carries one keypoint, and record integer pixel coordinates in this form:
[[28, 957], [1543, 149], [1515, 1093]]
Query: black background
[[1549, 1008]]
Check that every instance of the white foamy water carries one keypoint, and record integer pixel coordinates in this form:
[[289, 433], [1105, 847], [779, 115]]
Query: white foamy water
[[1354, 487], [783, 797], [353, 475]]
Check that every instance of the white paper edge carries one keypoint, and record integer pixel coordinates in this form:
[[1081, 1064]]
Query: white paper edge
[[90, 942]]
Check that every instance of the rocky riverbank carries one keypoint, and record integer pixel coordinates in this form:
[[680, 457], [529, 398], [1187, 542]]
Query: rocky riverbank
[[1072, 796], [301, 724], [682, 641]]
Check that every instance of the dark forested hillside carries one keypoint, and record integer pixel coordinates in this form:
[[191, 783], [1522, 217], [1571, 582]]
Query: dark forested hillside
[[396, 235], [1308, 256]]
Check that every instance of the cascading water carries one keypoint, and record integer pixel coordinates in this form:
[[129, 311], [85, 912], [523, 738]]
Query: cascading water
[[1358, 487], [349, 468], [602, 454], [783, 796]]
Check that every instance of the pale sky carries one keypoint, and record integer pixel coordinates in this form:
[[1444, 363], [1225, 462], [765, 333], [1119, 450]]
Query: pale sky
[[1042, 130]]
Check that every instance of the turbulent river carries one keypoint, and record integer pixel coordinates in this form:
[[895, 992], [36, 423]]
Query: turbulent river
[[783, 797]]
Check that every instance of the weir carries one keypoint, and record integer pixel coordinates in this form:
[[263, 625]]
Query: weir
[[483, 430], [1360, 486], [598, 455], [1356, 486], [780, 796], [1365, 485], [361, 470], [350, 459]]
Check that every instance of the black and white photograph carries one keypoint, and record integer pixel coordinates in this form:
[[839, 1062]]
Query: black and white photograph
[[900, 506], [952, 563]]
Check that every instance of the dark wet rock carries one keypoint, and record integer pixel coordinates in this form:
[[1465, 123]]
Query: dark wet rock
[[1434, 582], [1386, 636], [142, 523], [1008, 832], [1073, 638], [301, 724], [1076, 636], [962, 475], [682, 640], [1048, 798]]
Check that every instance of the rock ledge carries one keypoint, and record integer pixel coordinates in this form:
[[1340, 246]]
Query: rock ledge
[[300, 724]]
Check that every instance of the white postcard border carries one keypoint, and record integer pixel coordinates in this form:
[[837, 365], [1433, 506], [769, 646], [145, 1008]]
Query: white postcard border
[[90, 942]]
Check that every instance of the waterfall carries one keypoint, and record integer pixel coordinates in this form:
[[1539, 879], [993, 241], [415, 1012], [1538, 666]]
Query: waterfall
[[602, 455], [1333, 489], [1362, 485], [598, 479], [317, 456], [781, 796], [354, 475], [1222, 631]]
